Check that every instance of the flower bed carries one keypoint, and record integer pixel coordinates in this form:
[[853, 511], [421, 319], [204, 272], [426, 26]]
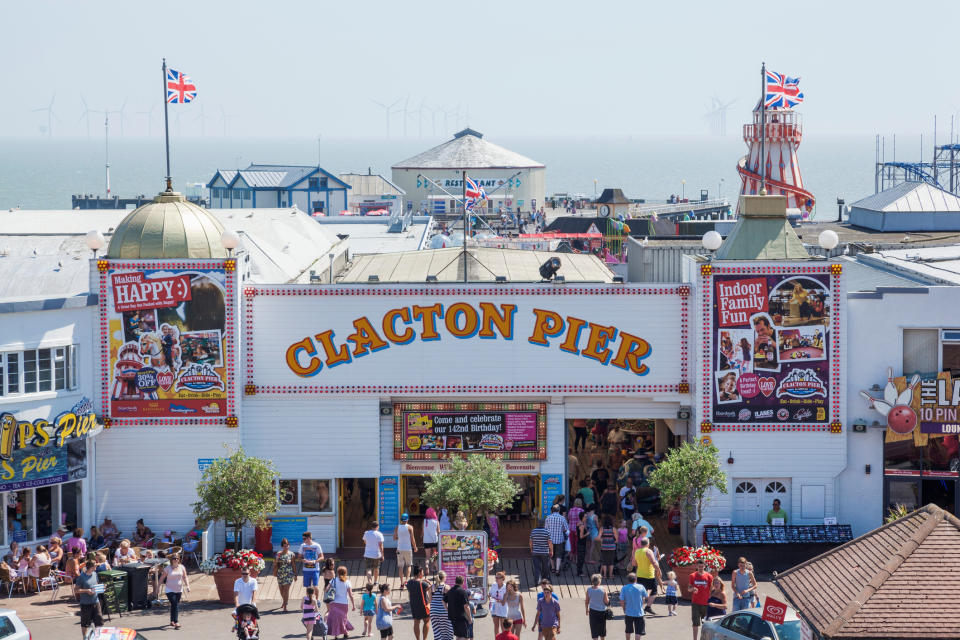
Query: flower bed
[[689, 556], [236, 560]]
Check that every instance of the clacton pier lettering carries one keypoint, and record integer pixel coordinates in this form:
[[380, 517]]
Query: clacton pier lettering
[[606, 344]]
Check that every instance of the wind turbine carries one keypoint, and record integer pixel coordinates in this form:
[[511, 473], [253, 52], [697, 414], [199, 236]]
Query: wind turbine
[[85, 115], [406, 114], [149, 115], [120, 113], [420, 118], [50, 115], [224, 116], [388, 111], [202, 117], [433, 117], [722, 107]]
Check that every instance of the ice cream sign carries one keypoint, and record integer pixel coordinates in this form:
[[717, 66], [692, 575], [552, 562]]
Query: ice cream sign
[[932, 404]]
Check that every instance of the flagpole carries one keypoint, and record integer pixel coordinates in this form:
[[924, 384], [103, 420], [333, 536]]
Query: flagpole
[[463, 185], [763, 129], [166, 125]]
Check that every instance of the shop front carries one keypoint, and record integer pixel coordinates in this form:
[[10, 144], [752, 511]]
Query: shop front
[[377, 387], [43, 471]]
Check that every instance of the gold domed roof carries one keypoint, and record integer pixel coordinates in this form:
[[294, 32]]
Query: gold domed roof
[[168, 227]]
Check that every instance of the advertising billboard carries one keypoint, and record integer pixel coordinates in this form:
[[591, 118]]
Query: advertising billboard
[[771, 348], [511, 430], [463, 554], [167, 331]]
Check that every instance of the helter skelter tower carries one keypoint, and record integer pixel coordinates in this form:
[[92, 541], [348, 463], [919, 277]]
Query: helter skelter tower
[[772, 140]]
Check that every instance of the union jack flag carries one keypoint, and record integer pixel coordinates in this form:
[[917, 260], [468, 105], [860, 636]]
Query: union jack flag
[[474, 192], [782, 91], [179, 88]]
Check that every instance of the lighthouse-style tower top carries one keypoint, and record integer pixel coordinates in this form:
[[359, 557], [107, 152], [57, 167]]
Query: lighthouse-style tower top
[[783, 131]]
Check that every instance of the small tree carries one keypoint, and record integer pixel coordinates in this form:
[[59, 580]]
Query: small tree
[[238, 489], [472, 485], [687, 475]]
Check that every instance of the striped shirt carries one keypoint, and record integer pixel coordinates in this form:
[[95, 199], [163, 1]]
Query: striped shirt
[[608, 540], [540, 541]]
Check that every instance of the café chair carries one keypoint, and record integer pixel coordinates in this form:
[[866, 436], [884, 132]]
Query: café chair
[[48, 580], [10, 580]]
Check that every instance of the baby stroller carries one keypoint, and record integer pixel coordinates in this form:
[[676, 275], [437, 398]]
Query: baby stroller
[[244, 629]]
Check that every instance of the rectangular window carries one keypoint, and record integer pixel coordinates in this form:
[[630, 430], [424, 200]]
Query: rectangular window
[[246, 195], [20, 516], [313, 183], [921, 352], [38, 370], [310, 496], [323, 184], [950, 352]]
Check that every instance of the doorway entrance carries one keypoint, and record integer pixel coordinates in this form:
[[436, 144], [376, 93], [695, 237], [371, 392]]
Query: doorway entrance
[[753, 497], [917, 490], [357, 506]]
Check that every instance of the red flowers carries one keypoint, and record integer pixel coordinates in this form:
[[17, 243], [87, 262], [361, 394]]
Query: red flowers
[[239, 559], [686, 556]]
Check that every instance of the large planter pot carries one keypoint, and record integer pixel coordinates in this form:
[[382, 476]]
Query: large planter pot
[[224, 579], [683, 579]]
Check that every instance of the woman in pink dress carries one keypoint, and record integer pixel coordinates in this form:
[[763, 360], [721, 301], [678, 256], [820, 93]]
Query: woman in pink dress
[[337, 622]]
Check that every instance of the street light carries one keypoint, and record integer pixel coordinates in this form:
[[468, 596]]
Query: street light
[[95, 241], [828, 239], [711, 240], [229, 239], [683, 190], [594, 188]]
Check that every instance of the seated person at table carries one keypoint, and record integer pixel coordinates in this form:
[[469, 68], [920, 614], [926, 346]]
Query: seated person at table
[[102, 564], [42, 558], [74, 562], [12, 557], [56, 552], [25, 565], [142, 537], [96, 539], [76, 542], [124, 553], [109, 531]]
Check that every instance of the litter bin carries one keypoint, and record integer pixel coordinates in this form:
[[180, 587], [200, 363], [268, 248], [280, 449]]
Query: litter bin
[[137, 579], [115, 593], [262, 543]]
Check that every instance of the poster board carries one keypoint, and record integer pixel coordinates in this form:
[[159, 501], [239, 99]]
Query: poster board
[[464, 553]]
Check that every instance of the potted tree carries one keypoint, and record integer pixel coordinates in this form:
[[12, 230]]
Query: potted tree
[[239, 490], [687, 475], [471, 487]]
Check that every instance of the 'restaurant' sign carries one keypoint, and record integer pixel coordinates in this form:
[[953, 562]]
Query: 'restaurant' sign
[[513, 430]]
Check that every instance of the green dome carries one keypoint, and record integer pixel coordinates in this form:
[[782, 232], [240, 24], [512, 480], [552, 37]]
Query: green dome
[[168, 227]]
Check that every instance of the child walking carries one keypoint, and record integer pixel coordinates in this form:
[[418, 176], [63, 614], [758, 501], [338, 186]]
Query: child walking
[[369, 609], [310, 608], [329, 572], [672, 591]]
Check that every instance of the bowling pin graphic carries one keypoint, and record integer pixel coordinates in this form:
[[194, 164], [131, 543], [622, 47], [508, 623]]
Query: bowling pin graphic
[[906, 396], [881, 406], [890, 391]]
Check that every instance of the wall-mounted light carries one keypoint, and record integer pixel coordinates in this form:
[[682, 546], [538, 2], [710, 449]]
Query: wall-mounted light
[[860, 426], [730, 458], [866, 469]]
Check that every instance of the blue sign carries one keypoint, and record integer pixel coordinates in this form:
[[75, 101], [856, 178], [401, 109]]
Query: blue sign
[[289, 527], [205, 463], [39, 467], [389, 504], [551, 487]]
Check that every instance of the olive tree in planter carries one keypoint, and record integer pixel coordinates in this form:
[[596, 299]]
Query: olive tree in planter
[[473, 485], [239, 490], [687, 475]]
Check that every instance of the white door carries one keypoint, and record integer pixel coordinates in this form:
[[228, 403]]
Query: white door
[[746, 501], [777, 489]]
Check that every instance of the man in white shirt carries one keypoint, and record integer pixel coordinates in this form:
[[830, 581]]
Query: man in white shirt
[[406, 546], [244, 589], [373, 550], [311, 555]]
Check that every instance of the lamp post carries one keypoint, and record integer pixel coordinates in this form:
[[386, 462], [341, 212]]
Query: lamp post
[[683, 190], [720, 190], [95, 241], [229, 239], [840, 203], [594, 188]]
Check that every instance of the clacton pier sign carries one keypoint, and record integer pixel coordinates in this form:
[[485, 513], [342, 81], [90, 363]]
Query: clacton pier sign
[[321, 338]]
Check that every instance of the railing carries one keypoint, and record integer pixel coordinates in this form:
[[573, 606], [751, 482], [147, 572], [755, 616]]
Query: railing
[[775, 131], [663, 208]]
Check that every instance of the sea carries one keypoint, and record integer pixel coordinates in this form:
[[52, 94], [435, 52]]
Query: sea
[[42, 173]]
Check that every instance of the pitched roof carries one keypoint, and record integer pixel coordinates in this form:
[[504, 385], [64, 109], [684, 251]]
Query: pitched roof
[[613, 196], [366, 184], [577, 224], [910, 197], [468, 150], [276, 176], [762, 232], [898, 581]]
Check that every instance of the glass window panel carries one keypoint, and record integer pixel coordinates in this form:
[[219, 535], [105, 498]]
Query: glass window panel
[[60, 368], [315, 496], [951, 358], [20, 515], [901, 455], [905, 492], [45, 515], [13, 373], [3, 385], [30, 371], [289, 493], [70, 502], [921, 352], [45, 369]]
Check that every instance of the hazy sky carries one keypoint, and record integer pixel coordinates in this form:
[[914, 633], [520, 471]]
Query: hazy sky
[[521, 67]]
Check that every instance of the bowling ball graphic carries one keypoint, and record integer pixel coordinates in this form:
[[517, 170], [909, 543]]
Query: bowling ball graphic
[[902, 419]]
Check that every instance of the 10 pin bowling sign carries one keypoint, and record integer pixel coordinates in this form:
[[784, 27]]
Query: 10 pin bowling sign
[[737, 300]]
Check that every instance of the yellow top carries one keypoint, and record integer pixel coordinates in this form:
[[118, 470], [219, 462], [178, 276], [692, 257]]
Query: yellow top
[[645, 568]]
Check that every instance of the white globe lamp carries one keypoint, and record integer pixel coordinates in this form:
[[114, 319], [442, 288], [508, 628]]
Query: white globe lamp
[[828, 239], [230, 240], [712, 240], [95, 241]]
